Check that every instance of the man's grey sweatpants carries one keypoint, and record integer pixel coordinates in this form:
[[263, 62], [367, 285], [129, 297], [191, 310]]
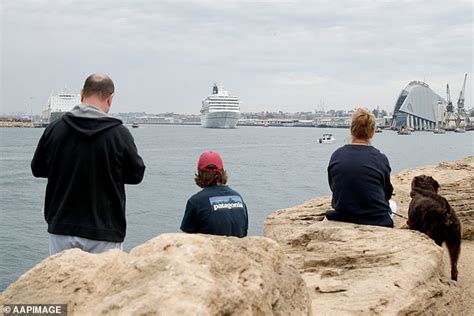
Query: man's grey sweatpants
[[58, 243]]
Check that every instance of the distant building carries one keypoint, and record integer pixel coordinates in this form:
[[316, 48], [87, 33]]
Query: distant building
[[418, 107], [333, 122], [385, 121], [153, 119]]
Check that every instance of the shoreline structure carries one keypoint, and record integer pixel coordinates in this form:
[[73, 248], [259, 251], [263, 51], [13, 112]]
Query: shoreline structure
[[304, 265], [269, 123]]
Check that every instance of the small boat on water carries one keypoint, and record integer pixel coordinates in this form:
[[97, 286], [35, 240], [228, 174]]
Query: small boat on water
[[404, 131], [135, 125], [327, 139], [378, 130]]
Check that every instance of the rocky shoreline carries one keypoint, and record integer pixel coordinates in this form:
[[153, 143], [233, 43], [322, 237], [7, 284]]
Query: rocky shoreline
[[354, 269], [304, 265]]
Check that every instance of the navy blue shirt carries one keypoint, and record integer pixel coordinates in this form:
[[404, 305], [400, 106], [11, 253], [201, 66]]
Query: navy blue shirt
[[216, 210], [359, 178]]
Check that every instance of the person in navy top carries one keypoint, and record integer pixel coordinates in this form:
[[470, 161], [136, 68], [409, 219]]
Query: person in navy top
[[216, 209], [359, 178]]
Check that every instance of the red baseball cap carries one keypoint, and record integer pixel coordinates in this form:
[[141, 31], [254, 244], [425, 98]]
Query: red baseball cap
[[210, 158]]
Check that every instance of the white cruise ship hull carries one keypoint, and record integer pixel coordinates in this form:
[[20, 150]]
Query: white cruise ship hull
[[220, 119]]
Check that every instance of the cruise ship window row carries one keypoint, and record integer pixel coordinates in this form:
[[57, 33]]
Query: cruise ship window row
[[222, 102], [224, 107]]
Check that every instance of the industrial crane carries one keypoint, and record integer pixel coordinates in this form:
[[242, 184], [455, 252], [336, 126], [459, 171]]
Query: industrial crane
[[450, 122], [461, 94], [462, 118], [449, 107]]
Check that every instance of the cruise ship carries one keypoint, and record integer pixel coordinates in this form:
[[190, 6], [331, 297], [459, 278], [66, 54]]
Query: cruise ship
[[220, 110], [59, 104]]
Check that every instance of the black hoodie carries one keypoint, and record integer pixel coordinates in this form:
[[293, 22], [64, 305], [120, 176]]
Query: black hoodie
[[87, 160]]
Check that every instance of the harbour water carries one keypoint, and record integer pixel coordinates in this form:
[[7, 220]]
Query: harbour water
[[271, 167]]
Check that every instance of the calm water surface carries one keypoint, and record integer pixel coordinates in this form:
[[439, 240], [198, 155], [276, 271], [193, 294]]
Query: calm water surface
[[271, 167]]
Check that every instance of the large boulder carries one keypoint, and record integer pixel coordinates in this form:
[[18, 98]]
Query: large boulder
[[359, 269], [172, 274]]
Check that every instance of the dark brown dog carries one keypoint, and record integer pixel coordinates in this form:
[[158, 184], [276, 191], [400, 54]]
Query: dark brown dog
[[430, 213]]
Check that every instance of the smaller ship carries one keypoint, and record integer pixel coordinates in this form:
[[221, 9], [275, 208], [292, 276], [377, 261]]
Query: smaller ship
[[135, 125], [378, 130], [404, 131], [439, 131], [327, 139], [59, 104]]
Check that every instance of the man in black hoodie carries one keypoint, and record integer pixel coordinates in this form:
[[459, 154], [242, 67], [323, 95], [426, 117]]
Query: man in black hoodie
[[87, 157]]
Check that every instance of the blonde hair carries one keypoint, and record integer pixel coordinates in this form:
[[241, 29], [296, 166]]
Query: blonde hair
[[363, 124]]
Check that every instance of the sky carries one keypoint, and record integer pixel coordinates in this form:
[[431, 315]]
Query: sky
[[165, 55]]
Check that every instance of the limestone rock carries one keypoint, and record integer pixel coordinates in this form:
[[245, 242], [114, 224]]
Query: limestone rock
[[359, 269], [286, 221], [172, 274]]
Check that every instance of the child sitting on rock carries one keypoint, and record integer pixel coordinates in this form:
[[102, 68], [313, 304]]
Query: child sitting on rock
[[216, 209]]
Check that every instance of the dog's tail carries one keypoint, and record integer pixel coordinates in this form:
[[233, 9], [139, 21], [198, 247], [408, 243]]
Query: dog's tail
[[453, 238]]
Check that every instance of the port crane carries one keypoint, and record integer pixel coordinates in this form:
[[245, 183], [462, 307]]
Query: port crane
[[462, 119], [450, 115], [450, 107]]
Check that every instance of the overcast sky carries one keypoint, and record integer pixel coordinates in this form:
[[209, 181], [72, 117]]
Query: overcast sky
[[292, 56]]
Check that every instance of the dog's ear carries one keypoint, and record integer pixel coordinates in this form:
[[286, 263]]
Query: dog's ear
[[435, 185], [419, 181]]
